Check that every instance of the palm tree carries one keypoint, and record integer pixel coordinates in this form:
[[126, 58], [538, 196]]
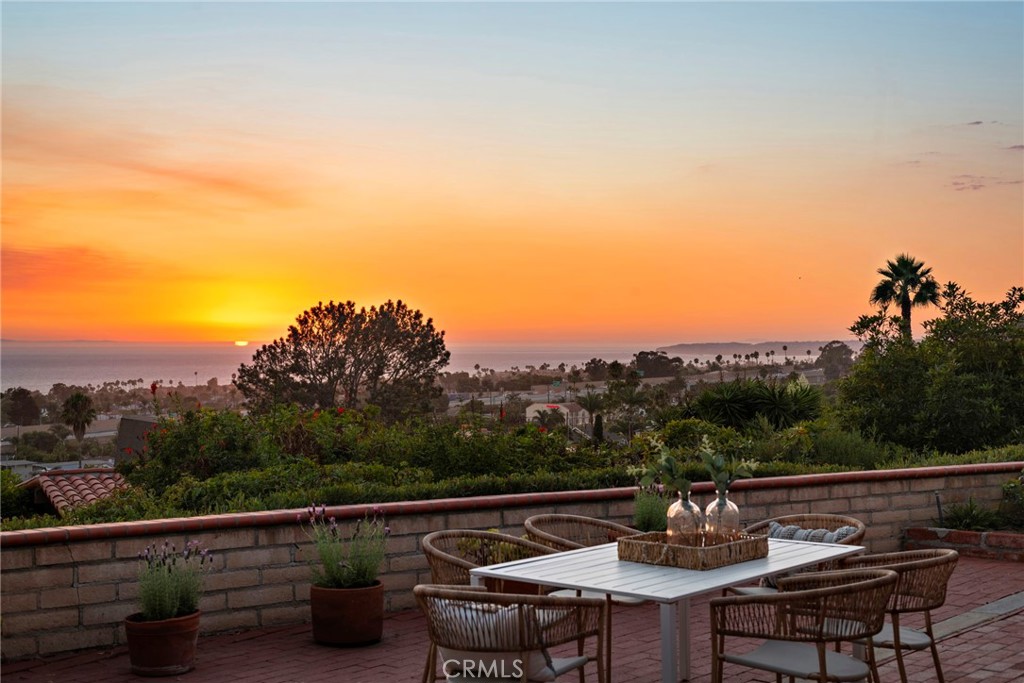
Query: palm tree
[[591, 402], [77, 412], [907, 283]]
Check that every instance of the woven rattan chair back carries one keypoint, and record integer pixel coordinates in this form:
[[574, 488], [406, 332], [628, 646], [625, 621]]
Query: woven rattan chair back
[[815, 521], [569, 532], [923, 579], [529, 624], [818, 608], [452, 553]]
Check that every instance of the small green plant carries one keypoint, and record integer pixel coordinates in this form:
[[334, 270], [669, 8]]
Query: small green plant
[[171, 582], [347, 561], [668, 470], [724, 471], [969, 516], [650, 510], [1011, 507]]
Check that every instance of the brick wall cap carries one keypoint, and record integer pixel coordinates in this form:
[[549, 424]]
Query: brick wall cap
[[35, 537]]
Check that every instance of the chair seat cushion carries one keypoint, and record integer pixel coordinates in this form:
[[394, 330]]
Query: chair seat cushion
[[910, 638], [797, 659], [753, 590]]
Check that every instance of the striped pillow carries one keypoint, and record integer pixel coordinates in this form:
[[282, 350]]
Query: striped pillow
[[796, 533]]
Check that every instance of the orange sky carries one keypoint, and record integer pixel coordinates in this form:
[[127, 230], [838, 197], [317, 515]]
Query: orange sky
[[176, 198]]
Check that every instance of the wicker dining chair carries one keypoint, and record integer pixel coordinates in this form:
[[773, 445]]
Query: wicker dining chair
[[923, 577], [799, 622], [475, 633], [816, 526], [814, 521], [452, 553], [570, 532]]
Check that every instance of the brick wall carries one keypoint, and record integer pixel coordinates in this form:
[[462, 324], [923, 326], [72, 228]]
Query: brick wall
[[997, 545], [71, 587]]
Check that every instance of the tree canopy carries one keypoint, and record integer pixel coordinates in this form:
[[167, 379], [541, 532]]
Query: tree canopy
[[907, 283], [336, 355], [960, 388]]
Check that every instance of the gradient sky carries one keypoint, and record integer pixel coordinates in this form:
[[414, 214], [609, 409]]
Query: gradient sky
[[519, 172]]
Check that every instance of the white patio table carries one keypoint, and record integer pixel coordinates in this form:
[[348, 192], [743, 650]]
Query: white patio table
[[599, 569]]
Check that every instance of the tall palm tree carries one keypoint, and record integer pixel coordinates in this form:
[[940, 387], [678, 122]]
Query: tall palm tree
[[907, 283], [77, 412]]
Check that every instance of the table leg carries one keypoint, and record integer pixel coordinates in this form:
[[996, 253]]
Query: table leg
[[675, 641]]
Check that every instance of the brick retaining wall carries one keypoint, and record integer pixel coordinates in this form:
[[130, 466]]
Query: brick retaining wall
[[68, 588], [999, 545]]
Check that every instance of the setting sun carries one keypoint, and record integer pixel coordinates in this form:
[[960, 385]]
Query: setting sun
[[579, 182], [241, 343]]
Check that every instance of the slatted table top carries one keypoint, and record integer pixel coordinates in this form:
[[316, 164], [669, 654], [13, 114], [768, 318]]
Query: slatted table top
[[599, 569]]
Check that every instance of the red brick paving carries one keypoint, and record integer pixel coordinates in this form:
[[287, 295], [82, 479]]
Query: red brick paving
[[991, 651]]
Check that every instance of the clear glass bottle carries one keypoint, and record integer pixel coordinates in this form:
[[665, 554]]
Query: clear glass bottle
[[685, 522], [722, 520]]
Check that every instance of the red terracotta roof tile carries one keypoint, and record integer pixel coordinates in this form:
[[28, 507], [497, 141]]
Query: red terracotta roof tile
[[72, 488]]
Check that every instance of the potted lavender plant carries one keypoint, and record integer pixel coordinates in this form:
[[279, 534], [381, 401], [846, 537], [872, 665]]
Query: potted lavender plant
[[346, 598], [162, 637]]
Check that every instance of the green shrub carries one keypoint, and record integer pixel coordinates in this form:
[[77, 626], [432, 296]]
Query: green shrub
[[969, 516], [650, 510], [1011, 507], [14, 501]]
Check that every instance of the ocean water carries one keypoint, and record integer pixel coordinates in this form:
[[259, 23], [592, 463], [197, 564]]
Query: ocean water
[[40, 365]]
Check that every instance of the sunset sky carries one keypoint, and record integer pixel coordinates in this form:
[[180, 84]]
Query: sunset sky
[[519, 172]]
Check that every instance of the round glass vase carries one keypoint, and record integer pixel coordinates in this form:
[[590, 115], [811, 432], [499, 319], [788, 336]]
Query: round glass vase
[[685, 522], [722, 520]]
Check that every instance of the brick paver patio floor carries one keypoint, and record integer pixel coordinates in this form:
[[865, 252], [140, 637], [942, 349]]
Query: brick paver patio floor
[[981, 629]]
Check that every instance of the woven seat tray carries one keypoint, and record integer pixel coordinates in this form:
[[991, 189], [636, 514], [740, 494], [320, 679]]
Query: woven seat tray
[[653, 548]]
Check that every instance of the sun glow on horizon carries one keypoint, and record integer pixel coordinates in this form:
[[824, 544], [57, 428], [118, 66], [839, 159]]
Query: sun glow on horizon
[[581, 181]]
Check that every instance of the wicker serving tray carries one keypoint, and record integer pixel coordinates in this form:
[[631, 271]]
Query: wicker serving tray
[[652, 548]]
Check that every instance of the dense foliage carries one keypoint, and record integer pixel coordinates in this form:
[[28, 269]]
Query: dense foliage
[[335, 355], [960, 388]]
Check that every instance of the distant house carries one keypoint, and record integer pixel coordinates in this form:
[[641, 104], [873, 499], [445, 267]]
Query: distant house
[[813, 376], [23, 468], [575, 415], [131, 435]]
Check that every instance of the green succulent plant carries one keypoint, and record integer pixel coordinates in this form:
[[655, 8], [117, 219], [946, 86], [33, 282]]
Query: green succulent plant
[[724, 470]]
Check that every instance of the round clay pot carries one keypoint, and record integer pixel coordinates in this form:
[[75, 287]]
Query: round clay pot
[[347, 617], [162, 648]]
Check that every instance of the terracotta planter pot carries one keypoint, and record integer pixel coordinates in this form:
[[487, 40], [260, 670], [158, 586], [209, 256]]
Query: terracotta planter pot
[[162, 648], [347, 617]]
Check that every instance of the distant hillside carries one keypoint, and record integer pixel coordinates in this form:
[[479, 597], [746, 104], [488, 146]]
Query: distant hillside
[[797, 349]]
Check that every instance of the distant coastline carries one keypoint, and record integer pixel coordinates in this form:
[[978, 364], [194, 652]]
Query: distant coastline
[[38, 366]]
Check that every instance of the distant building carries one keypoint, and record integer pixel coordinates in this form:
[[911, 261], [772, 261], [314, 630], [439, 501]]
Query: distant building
[[131, 435], [575, 415], [23, 468]]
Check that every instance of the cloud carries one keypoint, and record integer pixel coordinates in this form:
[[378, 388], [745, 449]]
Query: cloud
[[79, 266], [75, 143], [966, 181], [974, 123], [1016, 147]]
